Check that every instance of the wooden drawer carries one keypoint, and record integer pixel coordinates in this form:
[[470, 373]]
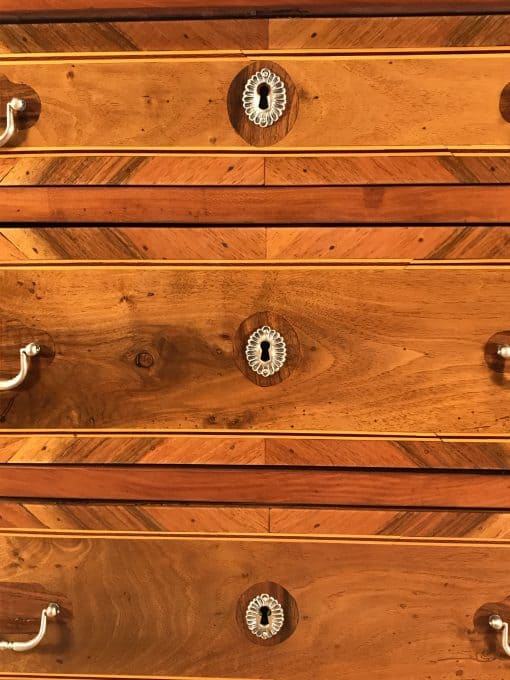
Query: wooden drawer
[[131, 605], [133, 101], [158, 347]]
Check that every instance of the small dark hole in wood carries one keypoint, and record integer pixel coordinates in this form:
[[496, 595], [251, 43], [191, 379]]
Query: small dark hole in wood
[[263, 91], [264, 354], [265, 613]]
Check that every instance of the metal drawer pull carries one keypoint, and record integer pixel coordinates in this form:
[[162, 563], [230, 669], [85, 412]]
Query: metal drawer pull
[[496, 622], [25, 354], [504, 351], [14, 106], [51, 611]]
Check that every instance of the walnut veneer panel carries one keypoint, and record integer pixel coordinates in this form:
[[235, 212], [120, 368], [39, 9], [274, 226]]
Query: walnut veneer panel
[[377, 330], [393, 100], [429, 599], [193, 170], [412, 523], [196, 34], [133, 517], [254, 243], [213, 519], [132, 243], [370, 242]]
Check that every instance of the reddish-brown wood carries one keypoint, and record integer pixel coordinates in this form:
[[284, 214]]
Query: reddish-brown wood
[[45, 9], [257, 205], [261, 486]]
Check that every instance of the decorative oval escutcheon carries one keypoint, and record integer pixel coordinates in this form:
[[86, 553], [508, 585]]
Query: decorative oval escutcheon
[[266, 348], [262, 103], [267, 613], [264, 616], [266, 351], [264, 98]]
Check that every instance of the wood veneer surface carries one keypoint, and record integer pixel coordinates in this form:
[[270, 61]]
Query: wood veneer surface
[[426, 594]]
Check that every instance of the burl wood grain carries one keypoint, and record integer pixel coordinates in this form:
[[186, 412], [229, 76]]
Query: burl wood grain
[[257, 205], [422, 597], [384, 349], [425, 102]]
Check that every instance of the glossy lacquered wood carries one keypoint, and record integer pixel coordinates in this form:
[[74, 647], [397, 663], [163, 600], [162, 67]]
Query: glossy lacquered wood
[[422, 597], [150, 347]]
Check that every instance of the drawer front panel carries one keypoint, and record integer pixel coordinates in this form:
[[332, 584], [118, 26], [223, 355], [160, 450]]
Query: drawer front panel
[[162, 347], [422, 608], [379, 101]]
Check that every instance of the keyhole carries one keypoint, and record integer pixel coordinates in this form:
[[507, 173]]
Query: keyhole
[[264, 350], [265, 613], [263, 92]]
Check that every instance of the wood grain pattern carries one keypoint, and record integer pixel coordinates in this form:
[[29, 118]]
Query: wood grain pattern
[[196, 170], [427, 102], [254, 243], [291, 33], [132, 243], [413, 242], [134, 517], [364, 332], [341, 33], [257, 205], [278, 520], [257, 34], [411, 523], [381, 453], [142, 9], [229, 170], [389, 168], [437, 589], [258, 486], [130, 450], [176, 35], [351, 452]]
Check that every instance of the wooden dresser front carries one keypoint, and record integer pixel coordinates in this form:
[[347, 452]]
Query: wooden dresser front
[[254, 340]]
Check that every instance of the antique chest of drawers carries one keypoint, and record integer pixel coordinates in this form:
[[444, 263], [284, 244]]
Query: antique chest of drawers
[[254, 340]]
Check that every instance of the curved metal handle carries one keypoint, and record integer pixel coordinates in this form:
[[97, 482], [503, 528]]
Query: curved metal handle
[[25, 355], [496, 622], [49, 612], [14, 106]]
